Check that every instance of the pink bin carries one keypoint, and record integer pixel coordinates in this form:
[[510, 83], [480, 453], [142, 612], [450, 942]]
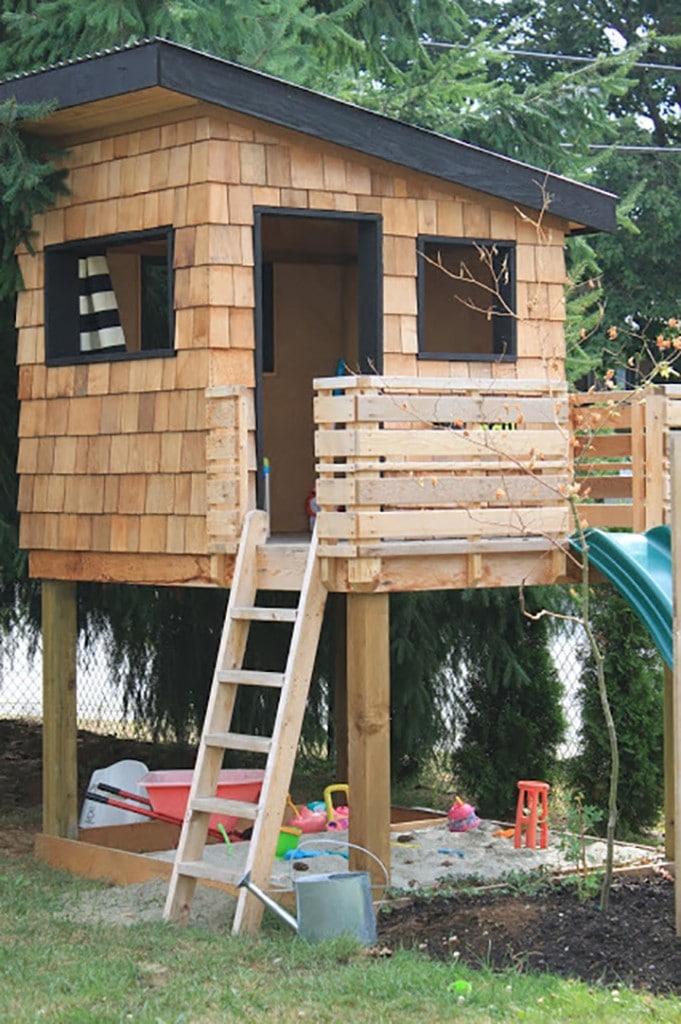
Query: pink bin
[[169, 791]]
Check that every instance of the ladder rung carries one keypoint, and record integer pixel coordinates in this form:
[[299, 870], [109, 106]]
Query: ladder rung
[[218, 805], [202, 869], [259, 614], [239, 741], [249, 677]]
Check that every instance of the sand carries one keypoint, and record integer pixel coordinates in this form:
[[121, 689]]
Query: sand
[[420, 859]]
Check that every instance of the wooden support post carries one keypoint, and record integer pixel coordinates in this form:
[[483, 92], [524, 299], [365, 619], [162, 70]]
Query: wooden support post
[[668, 761], [369, 730], [675, 466], [655, 413], [638, 466], [60, 763], [340, 684]]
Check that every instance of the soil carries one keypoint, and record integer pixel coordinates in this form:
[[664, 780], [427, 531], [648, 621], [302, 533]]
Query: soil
[[553, 931], [529, 927]]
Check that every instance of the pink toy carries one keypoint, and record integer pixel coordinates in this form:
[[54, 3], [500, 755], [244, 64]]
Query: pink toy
[[308, 821], [461, 817]]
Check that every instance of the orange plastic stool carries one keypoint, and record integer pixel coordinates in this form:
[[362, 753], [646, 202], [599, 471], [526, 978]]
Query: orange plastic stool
[[532, 812]]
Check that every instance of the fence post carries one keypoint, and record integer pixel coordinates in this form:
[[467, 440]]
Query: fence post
[[655, 427], [60, 734], [675, 723], [638, 466], [368, 709]]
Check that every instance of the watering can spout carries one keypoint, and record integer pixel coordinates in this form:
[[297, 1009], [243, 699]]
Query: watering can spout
[[246, 883]]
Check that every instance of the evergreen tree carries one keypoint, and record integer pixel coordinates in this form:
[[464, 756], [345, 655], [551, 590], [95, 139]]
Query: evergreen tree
[[634, 674], [423, 637], [509, 693], [28, 184], [378, 54]]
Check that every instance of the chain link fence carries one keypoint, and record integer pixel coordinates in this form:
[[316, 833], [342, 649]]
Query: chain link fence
[[101, 704]]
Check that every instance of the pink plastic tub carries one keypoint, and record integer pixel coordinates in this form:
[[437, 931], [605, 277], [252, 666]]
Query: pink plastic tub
[[169, 791]]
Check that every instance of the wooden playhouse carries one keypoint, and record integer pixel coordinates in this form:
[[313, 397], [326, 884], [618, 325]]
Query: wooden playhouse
[[253, 294]]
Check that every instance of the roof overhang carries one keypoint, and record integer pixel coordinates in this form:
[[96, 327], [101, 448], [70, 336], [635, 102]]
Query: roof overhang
[[153, 77]]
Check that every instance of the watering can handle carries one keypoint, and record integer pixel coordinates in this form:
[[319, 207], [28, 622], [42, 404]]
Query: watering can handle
[[354, 846]]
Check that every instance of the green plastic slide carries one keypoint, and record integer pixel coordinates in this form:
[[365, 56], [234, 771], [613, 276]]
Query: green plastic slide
[[639, 566]]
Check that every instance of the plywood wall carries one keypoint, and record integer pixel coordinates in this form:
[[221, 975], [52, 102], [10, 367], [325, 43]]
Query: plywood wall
[[122, 474]]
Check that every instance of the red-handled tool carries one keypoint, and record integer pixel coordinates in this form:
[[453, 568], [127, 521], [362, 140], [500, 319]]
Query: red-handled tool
[[116, 791], [145, 811]]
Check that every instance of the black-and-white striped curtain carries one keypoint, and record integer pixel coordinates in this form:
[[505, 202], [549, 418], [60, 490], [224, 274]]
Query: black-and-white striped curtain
[[100, 322]]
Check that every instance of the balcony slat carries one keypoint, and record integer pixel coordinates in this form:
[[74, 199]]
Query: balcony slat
[[462, 469], [478, 522], [604, 446], [615, 487], [510, 444], [431, 491], [608, 516], [427, 409], [420, 385]]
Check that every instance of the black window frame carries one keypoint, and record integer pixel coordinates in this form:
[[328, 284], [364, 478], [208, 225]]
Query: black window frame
[[62, 330], [504, 333]]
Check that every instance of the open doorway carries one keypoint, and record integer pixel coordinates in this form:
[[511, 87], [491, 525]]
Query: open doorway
[[318, 314]]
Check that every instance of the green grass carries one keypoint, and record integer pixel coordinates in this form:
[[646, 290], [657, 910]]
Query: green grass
[[64, 971]]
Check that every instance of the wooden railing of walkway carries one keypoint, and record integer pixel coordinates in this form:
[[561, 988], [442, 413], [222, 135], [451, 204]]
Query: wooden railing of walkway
[[621, 449], [405, 463]]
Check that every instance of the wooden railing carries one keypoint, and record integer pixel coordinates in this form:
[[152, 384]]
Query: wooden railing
[[622, 456], [230, 465], [403, 460]]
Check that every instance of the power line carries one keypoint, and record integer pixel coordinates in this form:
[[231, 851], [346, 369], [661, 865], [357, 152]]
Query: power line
[[623, 148], [554, 56]]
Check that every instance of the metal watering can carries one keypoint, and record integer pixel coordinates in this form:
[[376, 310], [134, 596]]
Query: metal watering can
[[328, 906]]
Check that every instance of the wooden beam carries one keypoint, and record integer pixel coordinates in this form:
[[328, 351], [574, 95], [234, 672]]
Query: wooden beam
[[668, 761], [654, 427], [340, 683], [119, 567], [60, 774], [368, 658], [675, 468]]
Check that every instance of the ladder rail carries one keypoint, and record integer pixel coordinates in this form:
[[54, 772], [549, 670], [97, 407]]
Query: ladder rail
[[209, 759], [280, 748], [285, 737]]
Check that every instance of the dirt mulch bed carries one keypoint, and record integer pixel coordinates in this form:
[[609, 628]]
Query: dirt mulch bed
[[554, 931]]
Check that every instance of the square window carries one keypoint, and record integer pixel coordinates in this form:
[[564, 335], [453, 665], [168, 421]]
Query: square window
[[109, 298], [466, 299]]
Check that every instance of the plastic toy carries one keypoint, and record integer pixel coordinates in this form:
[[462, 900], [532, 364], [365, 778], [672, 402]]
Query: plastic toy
[[460, 987], [461, 817], [336, 817], [311, 509], [306, 819], [288, 841], [318, 815], [309, 821]]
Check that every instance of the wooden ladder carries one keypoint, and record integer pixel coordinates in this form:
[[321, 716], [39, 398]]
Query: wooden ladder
[[280, 748]]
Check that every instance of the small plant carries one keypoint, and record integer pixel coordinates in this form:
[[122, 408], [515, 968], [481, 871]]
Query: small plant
[[581, 819], [526, 883]]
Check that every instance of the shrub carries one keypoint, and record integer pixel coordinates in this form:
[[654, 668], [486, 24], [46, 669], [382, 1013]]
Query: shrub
[[511, 694], [633, 673]]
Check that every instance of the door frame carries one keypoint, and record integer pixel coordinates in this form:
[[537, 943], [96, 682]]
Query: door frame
[[369, 302]]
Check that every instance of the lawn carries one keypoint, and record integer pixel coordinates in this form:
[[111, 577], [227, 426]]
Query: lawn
[[62, 971]]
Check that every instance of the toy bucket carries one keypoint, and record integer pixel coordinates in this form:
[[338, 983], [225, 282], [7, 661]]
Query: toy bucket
[[331, 905], [287, 841]]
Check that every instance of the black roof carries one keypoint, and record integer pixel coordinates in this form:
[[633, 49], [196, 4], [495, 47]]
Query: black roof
[[159, 63]]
